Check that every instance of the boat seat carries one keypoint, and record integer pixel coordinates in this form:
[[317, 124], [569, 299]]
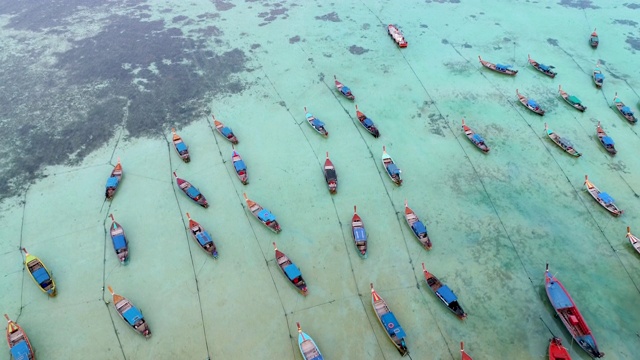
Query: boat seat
[[16, 335]]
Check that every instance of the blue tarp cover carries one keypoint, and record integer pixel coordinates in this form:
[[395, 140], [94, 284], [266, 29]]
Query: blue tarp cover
[[112, 182], [543, 67], [119, 242], [392, 326], [132, 315], [266, 215], [607, 140], [20, 351], [317, 123], [532, 103], [367, 122], [606, 198], [203, 238], [345, 90], [477, 138], [566, 143], [418, 228], [447, 294], [41, 275], [360, 234], [502, 67], [181, 147], [559, 298], [226, 131], [393, 169], [292, 271], [599, 76], [627, 110], [192, 192], [239, 165]]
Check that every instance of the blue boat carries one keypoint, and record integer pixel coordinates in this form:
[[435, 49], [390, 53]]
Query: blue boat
[[606, 141], [343, 89], [359, 234], [113, 181], [389, 322], [475, 138], [598, 76], [530, 104], [19, 344], [225, 131], [191, 191], [290, 271], [443, 293], [308, 347], [119, 240], [180, 146], [202, 237], [501, 68], [240, 167], [316, 124], [624, 110], [263, 215], [545, 69], [130, 314], [367, 123], [417, 227]]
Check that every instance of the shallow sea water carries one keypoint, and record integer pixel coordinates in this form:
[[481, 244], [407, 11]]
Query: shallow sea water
[[494, 219]]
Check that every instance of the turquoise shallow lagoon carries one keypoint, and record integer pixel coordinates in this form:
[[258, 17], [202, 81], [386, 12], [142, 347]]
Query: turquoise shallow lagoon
[[87, 84]]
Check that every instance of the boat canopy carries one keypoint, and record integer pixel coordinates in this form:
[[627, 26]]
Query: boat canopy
[[626, 110], [565, 143], [317, 123], [558, 296], [345, 90], [226, 131], [533, 103], [599, 76], [330, 174], [21, 351], [112, 182], [119, 242], [360, 234], [308, 115], [203, 238], [266, 215], [392, 326], [607, 141], [393, 170], [574, 100], [132, 315], [239, 165], [367, 122], [543, 67], [292, 271], [502, 67], [181, 147], [41, 275], [192, 192], [477, 138], [447, 295], [606, 198], [419, 228]]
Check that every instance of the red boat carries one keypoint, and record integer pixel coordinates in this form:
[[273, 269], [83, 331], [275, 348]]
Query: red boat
[[19, 344], [557, 351], [593, 39], [225, 131], [191, 191], [397, 36], [343, 89], [465, 356], [330, 175], [113, 181], [359, 234], [291, 271], [240, 167], [502, 69]]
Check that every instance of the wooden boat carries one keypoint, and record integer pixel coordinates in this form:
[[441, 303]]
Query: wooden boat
[[634, 240], [119, 240], [571, 100], [343, 89], [130, 314], [192, 192], [316, 124], [475, 139], [19, 344], [397, 36], [240, 167], [557, 351], [570, 315], [181, 147], [202, 237], [40, 274], [500, 68], [598, 76], [225, 131], [464, 355], [606, 141], [367, 123], [308, 347], [563, 143], [443, 293], [417, 227], [604, 199], [593, 39], [263, 215], [359, 234], [530, 104], [113, 181], [290, 271], [545, 69], [624, 110], [391, 167], [389, 322], [330, 175]]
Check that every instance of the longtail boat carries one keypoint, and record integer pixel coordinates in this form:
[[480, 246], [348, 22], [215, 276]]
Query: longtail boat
[[570, 315], [19, 344], [308, 347], [389, 322], [225, 131], [475, 138], [594, 41], [130, 314], [500, 68], [530, 104], [571, 100], [113, 181], [624, 110], [606, 141], [557, 351], [263, 215], [563, 143], [330, 175], [40, 274], [119, 240], [180, 146], [417, 227], [192, 192], [446, 295], [240, 167], [359, 234], [343, 89], [290, 271], [598, 76], [545, 69], [397, 36], [316, 124], [367, 123], [202, 237], [634, 240], [391, 167], [604, 199], [464, 355]]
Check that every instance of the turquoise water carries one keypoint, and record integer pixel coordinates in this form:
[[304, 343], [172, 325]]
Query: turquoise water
[[495, 220]]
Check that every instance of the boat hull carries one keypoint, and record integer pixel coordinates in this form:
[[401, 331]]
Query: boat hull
[[34, 267]]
